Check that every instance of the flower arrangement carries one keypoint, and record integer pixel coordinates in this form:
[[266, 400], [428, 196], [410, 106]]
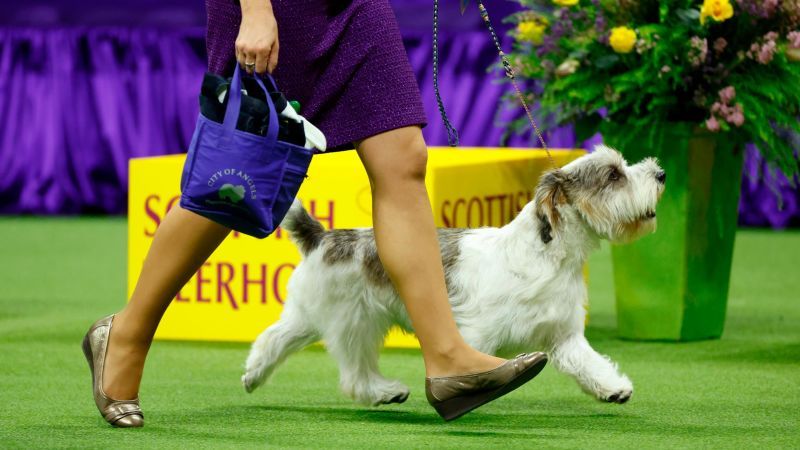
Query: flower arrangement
[[731, 66]]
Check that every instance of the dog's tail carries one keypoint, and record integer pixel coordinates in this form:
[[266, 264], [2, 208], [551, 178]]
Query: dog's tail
[[304, 230]]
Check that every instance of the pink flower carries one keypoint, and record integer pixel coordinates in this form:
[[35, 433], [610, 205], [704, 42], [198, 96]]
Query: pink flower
[[767, 52], [770, 6], [712, 124], [737, 118], [727, 94], [764, 51], [698, 51], [794, 39], [732, 114], [720, 44], [716, 107], [666, 69]]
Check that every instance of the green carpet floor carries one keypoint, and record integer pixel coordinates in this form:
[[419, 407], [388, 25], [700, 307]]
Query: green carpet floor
[[59, 275]]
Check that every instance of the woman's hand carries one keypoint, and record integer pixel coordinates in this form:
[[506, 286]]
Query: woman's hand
[[257, 43]]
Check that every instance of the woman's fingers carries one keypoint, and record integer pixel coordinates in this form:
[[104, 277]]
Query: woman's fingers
[[259, 59], [245, 57], [273, 57], [262, 60]]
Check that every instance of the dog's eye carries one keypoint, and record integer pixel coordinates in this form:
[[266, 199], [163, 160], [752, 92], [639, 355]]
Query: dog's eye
[[613, 175]]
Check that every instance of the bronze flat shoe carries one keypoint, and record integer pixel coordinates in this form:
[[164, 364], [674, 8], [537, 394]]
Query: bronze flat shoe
[[452, 397], [119, 413]]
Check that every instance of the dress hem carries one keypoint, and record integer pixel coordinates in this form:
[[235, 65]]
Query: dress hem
[[351, 136]]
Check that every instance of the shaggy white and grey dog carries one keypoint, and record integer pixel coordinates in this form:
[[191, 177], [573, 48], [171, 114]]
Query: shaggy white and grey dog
[[513, 289]]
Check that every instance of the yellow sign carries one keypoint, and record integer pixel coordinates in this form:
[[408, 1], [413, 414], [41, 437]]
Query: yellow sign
[[240, 290]]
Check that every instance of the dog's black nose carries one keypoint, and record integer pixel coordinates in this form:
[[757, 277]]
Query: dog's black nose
[[661, 176]]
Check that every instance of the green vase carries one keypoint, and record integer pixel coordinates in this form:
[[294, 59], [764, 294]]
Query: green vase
[[673, 285]]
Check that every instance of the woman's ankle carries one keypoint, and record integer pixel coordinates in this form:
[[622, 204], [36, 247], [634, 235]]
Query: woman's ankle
[[125, 357], [457, 360], [122, 372], [129, 335]]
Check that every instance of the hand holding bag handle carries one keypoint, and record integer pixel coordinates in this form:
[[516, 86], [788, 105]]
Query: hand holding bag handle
[[235, 102]]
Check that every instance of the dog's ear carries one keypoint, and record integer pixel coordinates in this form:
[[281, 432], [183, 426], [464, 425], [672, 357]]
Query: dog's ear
[[550, 194]]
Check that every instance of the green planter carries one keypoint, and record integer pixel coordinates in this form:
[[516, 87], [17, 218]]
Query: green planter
[[673, 285]]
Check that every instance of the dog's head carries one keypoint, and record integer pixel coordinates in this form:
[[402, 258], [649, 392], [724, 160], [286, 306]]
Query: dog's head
[[614, 199]]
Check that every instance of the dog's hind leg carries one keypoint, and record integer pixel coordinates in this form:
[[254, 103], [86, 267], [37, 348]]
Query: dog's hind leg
[[286, 336], [356, 344]]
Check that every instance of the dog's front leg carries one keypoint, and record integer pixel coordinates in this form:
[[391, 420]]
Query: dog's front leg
[[595, 373]]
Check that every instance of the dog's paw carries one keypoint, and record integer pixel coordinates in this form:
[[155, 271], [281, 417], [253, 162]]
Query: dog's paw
[[377, 392], [250, 382], [615, 390], [394, 392], [620, 397]]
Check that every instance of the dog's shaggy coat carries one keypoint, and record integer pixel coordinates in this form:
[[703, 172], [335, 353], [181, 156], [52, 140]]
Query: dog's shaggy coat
[[513, 289]]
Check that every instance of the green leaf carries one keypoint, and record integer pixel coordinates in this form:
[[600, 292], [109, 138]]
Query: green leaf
[[663, 11], [688, 16], [606, 62]]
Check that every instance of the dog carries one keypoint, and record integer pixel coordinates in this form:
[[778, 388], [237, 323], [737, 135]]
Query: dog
[[512, 289]]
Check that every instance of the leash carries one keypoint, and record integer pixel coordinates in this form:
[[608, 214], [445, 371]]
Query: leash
[[452, 134]]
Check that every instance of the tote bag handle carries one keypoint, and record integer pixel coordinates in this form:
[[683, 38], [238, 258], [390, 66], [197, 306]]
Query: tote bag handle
[[235, 103]]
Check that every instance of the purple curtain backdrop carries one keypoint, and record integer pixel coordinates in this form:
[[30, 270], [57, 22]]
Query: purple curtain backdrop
[[77, 103], [86, 84]]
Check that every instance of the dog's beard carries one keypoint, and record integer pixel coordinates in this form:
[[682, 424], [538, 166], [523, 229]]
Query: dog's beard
[[631, 231], [644, 223], [622, 231]]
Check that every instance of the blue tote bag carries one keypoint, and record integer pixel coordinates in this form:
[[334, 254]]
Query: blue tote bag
[[238, 179]]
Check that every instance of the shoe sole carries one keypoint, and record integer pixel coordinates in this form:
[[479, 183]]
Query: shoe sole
[[456, 407]]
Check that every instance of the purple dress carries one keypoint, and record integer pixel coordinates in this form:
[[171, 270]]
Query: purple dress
[[343, 60]]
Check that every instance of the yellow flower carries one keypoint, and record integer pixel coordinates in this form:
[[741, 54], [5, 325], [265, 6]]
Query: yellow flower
[[532, 30], [622, 39], [566, 2], [719, 10]]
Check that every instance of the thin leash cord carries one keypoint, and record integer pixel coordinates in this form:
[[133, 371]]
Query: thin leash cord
[[509, 71], [452, 134]]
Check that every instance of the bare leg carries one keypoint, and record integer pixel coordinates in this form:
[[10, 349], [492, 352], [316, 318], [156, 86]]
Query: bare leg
[[182, 243], [407, 244], [408, 248]]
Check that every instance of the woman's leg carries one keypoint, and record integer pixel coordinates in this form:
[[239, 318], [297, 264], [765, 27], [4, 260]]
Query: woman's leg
[[182, 243], [408, 248]]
